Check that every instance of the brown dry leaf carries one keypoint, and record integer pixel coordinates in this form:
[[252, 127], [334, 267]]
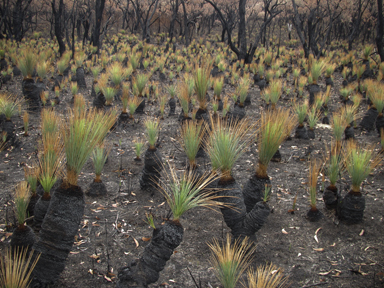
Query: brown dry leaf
[[94, 256], [318, 249], [101, 208], [325, 273], [95, 224], [291, 211], [136, 242], [110, 274], [146, 239], [85, 223]]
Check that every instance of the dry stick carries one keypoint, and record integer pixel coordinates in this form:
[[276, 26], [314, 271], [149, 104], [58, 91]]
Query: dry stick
[[193, 278], [106, 240], [315, 284]]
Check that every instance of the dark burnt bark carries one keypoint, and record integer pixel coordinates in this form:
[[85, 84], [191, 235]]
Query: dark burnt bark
[[58, 29], [151, 170], [144, 271], [241, 222], [23, 237], [380, 30], [351, 208], [60, 225], [99, 9]]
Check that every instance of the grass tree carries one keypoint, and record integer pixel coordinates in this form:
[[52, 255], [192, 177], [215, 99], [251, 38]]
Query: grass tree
[[201, 78], [317, 68], [313, 119], [31, 175], [81, 132], [376, 95], [182, 193], [191, 133], [140, 82], [184, 99], [138, 145], [334, 169], [242, 90], [27, 63], [116, 74], [225, 145], [26, 123], [359, 163], [231, 259], [275, 91], [313, 214], [338, 123], [266, 276], [275, 126], [16, 267], [218, 87], [163, 100], [109, 94], [23, 236], [227, 142], [153, 158], [133, 103], [99, 158], [9, 106]]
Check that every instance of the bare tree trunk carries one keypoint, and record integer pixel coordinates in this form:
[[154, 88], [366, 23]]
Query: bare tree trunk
[[298, 29], [380, 32], [58, 32], [242, 31], [99, 9], [174, 16], [186, 29]]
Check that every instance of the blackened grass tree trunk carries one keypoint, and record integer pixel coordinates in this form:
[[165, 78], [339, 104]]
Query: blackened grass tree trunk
[[182, 194], [83, 130], [359, 163], [153, 158], [275, 126], [226, 144], [22, 236]]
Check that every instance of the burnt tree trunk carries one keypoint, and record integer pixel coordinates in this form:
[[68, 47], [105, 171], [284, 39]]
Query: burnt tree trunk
[[58, 31], [99, 9], [380, 30], [174, 16]]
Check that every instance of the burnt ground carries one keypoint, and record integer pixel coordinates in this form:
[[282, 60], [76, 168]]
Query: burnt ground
[[113, 231]]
